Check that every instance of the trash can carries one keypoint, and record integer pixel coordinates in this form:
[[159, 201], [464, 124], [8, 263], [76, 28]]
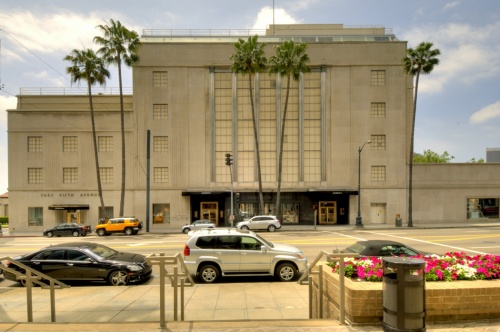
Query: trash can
[[403, 293], [399, 221]]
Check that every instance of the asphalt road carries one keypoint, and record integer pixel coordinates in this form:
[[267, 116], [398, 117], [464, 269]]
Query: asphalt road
[[473, 241]]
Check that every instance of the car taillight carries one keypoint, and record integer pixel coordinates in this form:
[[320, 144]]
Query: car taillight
[[187, 251]]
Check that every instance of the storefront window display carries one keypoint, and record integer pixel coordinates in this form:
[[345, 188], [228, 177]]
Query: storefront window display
[[482, 208]]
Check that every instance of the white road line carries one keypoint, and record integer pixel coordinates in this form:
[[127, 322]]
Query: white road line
[[427, 242]]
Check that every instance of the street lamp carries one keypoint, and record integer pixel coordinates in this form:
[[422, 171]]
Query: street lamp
[[229, 162], [359, 222]]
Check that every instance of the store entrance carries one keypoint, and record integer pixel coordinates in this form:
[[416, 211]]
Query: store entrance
[[73, 217], [328, 212], [210, 211]]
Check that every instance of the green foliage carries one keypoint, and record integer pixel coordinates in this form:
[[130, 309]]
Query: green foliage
[[473, 160], [432, 157], [4, 220]]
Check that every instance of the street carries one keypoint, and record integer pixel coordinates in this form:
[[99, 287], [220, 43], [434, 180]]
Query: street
[[477, 240]]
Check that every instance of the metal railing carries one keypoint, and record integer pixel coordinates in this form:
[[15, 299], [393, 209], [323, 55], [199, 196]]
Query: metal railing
[[31, 278], [330, 257], [66, 91], [177, 279]]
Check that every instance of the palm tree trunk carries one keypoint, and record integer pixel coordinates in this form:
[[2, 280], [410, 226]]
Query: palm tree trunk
[[280, 158], [257, 149], [96, 154], [412, 141], [122, 124]]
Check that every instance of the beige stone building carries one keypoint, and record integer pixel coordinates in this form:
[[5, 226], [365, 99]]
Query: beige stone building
[[191, 110]]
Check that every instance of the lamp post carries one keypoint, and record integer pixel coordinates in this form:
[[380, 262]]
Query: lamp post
[[359, 221], [229, 162]]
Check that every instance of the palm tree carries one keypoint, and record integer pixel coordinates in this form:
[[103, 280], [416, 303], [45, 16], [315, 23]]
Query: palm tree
[[417, 61], [86, 65], [119, 44], [290, 61], [249, 59]]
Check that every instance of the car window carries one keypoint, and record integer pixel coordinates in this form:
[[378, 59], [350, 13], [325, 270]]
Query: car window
[[102, 251], [75, 255], [206, 242], [250, 243], [50, 255], [228, 242]]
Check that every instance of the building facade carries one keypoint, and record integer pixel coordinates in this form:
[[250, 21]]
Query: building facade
[[188, 110]]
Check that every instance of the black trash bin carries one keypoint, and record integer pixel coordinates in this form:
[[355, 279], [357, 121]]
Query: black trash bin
[[403, 294], [399, 221]]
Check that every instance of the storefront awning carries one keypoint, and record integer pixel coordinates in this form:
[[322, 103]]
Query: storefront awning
[[69, 207]]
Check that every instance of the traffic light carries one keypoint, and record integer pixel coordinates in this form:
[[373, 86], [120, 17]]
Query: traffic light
[[229, 159]]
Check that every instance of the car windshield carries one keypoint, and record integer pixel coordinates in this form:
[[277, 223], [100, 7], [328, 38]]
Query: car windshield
[[267, 243], [355, 248], [102, 251]]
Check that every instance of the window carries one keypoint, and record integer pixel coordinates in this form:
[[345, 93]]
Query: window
[[70, 175], [378, 110], [160, 111], [161, 213], [105, 213], [378, 77], [70, 143], [378, 142], [160, 79], [56, 254], [35, 216], [378, 174], [160, 143], [482, 208], [107, 174], [35, 175], [35, 144], [105, 143], [160, 174]]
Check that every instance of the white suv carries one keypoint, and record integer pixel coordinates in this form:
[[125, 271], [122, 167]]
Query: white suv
[[269, 223], [210, 253]]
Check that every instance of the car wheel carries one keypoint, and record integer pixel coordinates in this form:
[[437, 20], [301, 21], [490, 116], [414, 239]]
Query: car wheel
[[245, 228], [118, 278], [50, 234], [135, 232], [208, 274], [286, 272], [129, 231], [185, 230], [271, 228], [101, 232], [75, 233], [84, 234]]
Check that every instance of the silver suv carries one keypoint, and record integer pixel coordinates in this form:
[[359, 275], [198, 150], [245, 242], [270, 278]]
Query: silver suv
[[210, 253], [198, 224], [269, 223]]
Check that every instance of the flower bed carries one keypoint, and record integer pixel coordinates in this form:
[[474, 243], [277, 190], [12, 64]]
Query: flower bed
[[449, 267]]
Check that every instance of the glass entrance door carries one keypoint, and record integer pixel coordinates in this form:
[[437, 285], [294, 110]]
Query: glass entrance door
[[210, 211], [328, 212]]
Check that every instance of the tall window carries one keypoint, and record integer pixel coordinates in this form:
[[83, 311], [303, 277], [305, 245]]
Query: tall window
[[160, 174], [107, 174], [290, 172], [312, 126], [378, 110], [160, 111], [70, 143], [160, 79], [378, 174], [378, 77], [35, 216], [268, 133], [35, 175], [70, 175], [35, 144], [105, 143], [160, 143], [223, 125], [378, 142], [161, 213], [246, 144]]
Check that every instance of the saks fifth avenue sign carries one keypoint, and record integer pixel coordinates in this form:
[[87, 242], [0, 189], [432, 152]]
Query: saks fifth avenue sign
[[50, 195]]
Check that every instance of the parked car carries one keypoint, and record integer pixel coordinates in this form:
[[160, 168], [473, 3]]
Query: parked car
[[198, 224], [85, 261], [126, 225], [269, 223], [381, 248], [211, 253], [68, 229]]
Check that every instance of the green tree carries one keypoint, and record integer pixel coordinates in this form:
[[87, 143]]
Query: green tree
[[473, 160], [432, 157], [290, 61], [118, 44], [87, 66], [420, 60], [249, 59]]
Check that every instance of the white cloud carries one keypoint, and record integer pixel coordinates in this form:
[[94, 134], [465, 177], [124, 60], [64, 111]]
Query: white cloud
[[265, 18], [486, 113], [451, 5], [468, 53], [6, 103]]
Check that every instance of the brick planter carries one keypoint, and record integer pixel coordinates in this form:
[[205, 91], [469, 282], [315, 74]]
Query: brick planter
[[444, 301]]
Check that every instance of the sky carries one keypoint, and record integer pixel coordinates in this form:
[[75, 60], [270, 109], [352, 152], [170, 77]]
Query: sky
[[458, 108]]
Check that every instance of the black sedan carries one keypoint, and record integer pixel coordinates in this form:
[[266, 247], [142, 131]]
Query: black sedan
[[68, 229], [85, 261], [382, 248]]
